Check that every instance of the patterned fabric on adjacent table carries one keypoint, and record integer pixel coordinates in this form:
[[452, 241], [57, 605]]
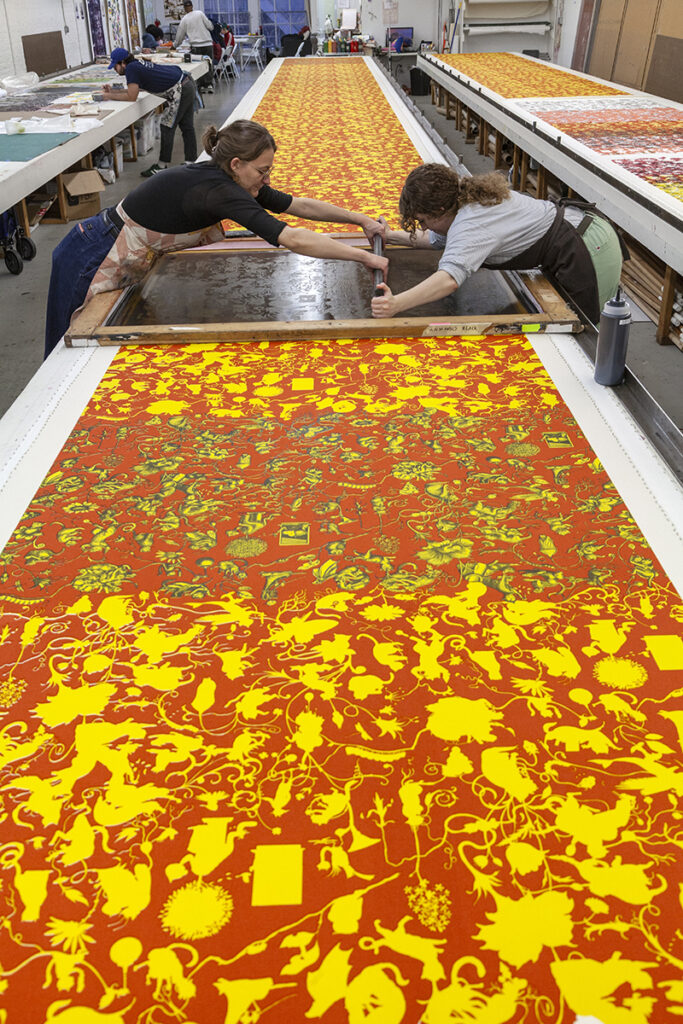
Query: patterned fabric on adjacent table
[[511, 75]]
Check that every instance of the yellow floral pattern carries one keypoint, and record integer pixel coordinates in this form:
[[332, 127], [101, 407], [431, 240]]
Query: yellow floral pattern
[[513, 76], [350, 149], [338, 684]]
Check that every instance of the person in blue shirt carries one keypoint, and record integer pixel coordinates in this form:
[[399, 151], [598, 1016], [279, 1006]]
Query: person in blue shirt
[[151, 37], [175, 86]]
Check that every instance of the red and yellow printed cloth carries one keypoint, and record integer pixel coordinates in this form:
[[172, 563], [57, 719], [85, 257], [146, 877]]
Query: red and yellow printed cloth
[[338, 139], [338, 685], [514, 76]]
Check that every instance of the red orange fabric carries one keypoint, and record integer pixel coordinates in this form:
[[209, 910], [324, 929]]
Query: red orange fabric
[[338, 684], [338, 138]]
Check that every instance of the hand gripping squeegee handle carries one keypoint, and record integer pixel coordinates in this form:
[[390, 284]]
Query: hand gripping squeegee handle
[[378, 276]]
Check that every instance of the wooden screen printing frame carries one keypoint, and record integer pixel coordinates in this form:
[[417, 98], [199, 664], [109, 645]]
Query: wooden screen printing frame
[[90, 327]]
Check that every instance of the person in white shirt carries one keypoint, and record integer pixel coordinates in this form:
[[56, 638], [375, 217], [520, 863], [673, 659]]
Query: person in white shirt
[[479, 221], [197, 28]]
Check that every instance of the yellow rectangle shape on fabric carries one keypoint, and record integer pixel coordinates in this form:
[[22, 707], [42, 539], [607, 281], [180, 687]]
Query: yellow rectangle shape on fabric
[[667, 651], [278, 876], [303, 384]]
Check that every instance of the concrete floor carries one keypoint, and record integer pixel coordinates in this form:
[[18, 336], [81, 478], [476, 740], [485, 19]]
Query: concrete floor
[[660, 368]]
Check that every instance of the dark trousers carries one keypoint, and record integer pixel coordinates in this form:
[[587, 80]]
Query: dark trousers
[[185, 121], [75, 261], [206, 50]]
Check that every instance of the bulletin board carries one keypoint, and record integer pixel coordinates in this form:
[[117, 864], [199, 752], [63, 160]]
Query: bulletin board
[[44, 52]]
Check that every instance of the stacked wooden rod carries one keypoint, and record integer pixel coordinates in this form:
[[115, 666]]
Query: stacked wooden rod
[[657, 290], [652, 284]]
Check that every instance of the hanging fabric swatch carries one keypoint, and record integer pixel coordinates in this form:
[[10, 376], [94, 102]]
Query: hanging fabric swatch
[[99, 42]]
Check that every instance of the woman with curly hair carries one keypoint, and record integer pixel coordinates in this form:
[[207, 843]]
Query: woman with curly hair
[[183, 207], [480, 221]]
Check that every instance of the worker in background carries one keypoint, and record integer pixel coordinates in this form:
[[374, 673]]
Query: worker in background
[[306, 45], [228, 38], [175, 86], [479, 221], [183, 207], [197, 28], [151, 38]]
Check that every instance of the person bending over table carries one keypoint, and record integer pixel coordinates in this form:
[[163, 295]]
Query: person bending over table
[[175, 86], [481, 221], [151, 38], [183, 207]]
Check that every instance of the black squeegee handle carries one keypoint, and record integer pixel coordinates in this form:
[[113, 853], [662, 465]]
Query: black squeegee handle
[[378, 276]]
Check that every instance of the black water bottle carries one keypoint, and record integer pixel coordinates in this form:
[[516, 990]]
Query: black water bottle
[[615, 324]]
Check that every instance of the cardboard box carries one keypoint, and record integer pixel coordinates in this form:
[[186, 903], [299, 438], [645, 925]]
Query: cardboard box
[[83, 194], [37, 206]]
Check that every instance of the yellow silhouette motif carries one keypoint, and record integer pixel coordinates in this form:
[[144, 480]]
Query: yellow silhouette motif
[[589, 986], [500, 766], [345, 913], [74, 702], [165, 970], [372, 997], [519, 929], [127, 892], [32, 889], [628, 882], [592, 828], [462, 1000], [328, 984], [196, 910], [456, 718], [405, 943], [210, 844]]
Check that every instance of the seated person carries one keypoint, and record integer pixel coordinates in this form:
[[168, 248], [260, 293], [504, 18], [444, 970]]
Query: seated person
[[151, 38], [306, 44]]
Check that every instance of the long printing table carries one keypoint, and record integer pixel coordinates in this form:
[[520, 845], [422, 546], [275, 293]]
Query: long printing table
[[20, 179], [611, 144], [340, 678]]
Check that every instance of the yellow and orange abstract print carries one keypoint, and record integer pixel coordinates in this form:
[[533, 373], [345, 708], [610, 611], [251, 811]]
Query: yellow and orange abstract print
[[338, 138], [337, 685], [513, 76]]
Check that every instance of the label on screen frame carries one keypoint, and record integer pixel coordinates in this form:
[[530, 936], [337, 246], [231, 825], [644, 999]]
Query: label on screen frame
[[449, 330]]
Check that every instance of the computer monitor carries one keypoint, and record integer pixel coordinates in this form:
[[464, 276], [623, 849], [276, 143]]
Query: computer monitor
[[405, 33]]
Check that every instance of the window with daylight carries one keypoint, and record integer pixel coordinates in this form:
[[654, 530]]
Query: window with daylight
[[234, 13], [282, 17]]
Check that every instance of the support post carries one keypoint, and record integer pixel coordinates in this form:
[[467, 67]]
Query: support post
[[666, 308]]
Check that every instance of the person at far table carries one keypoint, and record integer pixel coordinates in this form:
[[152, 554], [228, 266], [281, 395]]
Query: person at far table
[[151, 38], [228, 38], [184, 207], [197, 28], [480, 221], [175, 86]]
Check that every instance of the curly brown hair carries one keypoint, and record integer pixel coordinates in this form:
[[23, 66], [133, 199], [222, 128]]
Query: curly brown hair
[[243, 139], [435, 189]]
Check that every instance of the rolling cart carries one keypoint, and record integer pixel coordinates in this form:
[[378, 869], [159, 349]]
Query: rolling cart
[[16, 247]]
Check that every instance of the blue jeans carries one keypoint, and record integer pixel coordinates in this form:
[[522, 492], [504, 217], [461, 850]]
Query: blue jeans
[[75, 262]]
